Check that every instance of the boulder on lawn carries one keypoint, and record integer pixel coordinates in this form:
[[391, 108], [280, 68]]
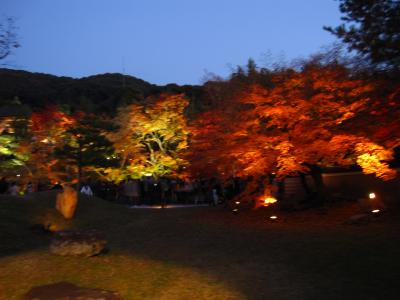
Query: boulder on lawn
[[358, 219], [68, 291], [77, 243]]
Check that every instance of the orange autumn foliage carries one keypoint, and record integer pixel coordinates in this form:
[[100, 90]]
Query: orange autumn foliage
[[47, 129], [305, 118]]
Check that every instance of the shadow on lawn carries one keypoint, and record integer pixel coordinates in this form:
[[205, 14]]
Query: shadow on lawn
[[18, 234], [270, 262]]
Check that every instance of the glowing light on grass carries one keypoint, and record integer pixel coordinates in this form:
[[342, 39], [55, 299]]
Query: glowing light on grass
[[372, 196], [273, 218]]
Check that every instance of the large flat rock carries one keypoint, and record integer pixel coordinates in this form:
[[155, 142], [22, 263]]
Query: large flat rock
[[69, 291], [78, 243]]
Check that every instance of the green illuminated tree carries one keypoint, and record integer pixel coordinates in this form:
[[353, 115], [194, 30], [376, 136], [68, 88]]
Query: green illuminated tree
[[10, 154], [13, 154]]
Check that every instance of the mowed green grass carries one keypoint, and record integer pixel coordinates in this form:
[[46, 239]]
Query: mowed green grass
[[203, 253]]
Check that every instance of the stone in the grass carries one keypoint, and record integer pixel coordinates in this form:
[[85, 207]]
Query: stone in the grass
[[359, 219], [77, 243], [69, 291]]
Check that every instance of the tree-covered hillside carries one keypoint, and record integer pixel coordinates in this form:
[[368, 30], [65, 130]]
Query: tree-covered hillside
[[102, 93]]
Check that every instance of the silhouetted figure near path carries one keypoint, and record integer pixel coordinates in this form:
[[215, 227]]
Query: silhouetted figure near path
[[131, 191], [3, 185], [13, 190]]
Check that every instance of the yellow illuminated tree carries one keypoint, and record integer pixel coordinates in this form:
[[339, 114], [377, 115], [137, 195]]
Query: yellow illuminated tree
[[151, 138]]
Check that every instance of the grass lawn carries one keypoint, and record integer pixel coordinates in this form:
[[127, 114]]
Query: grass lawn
[[204, 253]]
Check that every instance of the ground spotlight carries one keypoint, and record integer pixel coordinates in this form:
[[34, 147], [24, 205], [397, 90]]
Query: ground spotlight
[[273, 218]]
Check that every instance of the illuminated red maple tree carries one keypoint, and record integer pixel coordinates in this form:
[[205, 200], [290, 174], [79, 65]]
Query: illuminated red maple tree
[[302, 122], [47, 130]]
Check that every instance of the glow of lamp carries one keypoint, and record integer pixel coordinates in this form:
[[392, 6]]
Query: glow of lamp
[[269, 200], [372, 196], [237, 202], [273, 218], [375, 211]]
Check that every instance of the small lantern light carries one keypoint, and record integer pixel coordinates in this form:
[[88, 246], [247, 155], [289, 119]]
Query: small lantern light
[[237, 202], [376, 213], [273, 218], [372, 196], [235, 211]]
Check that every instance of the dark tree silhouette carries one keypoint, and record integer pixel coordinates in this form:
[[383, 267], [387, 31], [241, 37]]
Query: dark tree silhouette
[[86, 147], [372, 27], [8, 38]]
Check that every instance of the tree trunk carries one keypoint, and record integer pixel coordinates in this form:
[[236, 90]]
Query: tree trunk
[[305, 185], [79, 177], [316, 174]]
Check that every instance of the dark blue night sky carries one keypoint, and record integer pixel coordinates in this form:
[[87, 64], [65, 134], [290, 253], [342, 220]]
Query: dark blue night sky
[[164, 41]]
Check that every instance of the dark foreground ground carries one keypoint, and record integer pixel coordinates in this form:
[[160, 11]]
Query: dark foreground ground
[[205, 253]]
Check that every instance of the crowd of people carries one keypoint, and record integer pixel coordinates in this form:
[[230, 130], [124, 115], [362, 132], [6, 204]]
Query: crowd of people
[[150, 191], [12, 188], [146, 191]]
